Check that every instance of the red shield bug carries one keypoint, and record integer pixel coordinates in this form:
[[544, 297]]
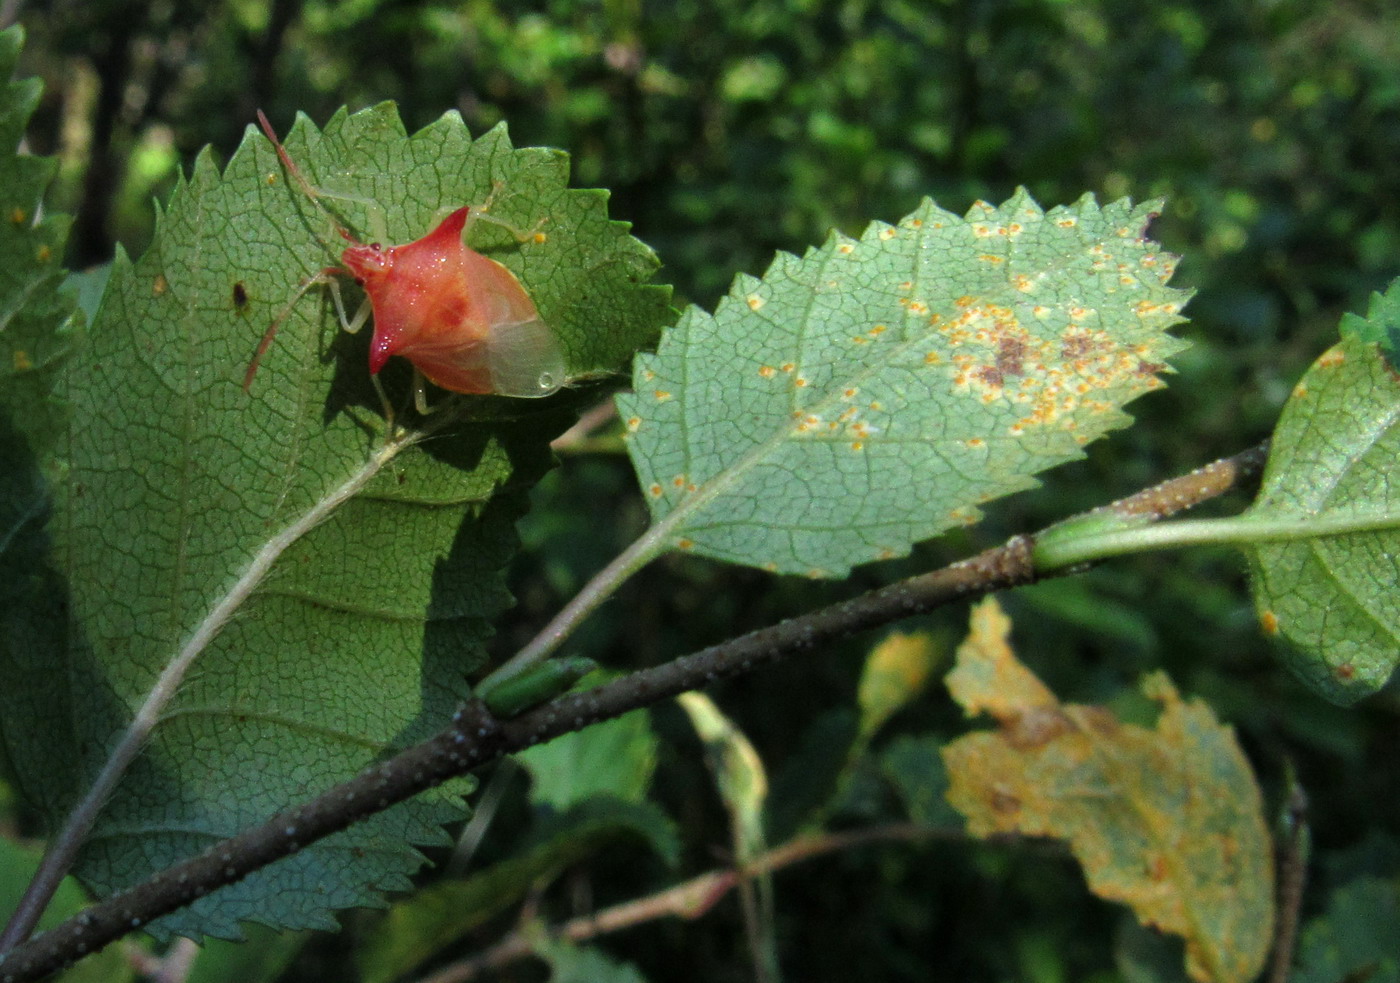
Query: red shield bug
[[460, 318]]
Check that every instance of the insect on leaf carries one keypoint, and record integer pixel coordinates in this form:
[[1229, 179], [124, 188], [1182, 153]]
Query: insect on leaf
[[1332, 597], [877, 391], [361, 633], [1168, 821]]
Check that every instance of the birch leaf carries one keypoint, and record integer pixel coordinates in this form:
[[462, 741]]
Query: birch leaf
[[1331, 594], [335, 595], [876, 391]]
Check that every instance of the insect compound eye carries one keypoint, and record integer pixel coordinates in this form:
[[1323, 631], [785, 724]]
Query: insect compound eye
[[525, 359]]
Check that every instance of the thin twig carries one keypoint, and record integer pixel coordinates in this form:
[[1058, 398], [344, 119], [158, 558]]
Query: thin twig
[[689, 900], [1292, 862], [1236, 472], [475, 737]]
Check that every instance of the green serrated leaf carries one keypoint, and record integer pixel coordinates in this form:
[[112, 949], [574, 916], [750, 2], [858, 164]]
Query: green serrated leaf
[[875, 392], [1333, 457], [361, 634], [1381, 325], [38, 322]]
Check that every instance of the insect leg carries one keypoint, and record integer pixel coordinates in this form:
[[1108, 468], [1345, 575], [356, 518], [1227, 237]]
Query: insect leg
[[482, 213], [384, 402], [353, 324], [323, 277], [349, 324], [420, 393], [315, 193]]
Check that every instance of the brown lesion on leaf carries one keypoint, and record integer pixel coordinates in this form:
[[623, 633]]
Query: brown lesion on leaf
[[1036, 727], [1011, 356], [1052, 375], [1083, 344], [1003, 800]]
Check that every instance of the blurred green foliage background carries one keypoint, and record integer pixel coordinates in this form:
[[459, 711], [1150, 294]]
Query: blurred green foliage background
[[727, 129]]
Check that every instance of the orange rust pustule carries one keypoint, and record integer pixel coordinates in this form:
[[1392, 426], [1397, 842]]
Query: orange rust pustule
[[435, 302]]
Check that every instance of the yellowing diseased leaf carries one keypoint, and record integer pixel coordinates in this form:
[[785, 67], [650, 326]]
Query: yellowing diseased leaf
[[739, 771], [988, 678], [895, 673], [1166, 821]]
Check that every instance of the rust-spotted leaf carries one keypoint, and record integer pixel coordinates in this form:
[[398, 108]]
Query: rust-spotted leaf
[[1328, 589], [1167, 821], [877, 391]]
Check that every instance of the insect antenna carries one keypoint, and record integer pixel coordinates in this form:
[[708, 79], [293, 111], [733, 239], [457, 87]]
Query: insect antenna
[[309, 189]]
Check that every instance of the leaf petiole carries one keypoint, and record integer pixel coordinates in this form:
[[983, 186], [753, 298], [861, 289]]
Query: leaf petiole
[[1071, 545], [605, 582]]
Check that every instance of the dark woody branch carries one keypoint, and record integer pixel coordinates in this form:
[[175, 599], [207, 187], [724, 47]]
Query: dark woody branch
[[476, 737]]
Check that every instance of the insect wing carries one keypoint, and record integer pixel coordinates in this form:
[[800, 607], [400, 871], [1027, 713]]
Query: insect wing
[[525, 359]]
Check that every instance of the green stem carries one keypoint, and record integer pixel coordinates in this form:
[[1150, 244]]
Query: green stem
[[1056, 552], [605, 582]]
